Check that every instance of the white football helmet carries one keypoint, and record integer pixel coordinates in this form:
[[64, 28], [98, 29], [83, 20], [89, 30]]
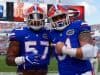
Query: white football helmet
[[58, 17], [36, 17]]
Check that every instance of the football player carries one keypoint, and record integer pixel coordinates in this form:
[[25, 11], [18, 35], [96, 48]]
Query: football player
[[29, 46], [73, 43]]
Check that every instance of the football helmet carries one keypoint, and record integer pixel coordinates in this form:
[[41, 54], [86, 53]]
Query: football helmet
[[73, 14], [36, 17], [58, 17]]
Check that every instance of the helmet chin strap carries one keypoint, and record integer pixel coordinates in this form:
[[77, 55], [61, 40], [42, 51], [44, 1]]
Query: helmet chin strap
[[61, 28], [59, 24]]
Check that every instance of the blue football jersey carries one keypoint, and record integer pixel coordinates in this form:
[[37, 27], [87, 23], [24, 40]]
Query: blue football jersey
[[68, 65], [32, 41]]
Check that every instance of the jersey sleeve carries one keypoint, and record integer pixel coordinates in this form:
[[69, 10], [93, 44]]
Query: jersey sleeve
[[12, 36], [17, 34]]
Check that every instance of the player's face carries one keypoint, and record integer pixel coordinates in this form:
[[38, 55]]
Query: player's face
[[59, 21], [61, 17], [36, 20]]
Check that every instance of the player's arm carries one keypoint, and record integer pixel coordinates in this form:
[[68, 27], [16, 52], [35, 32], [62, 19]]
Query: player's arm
[[98, 55], [12, 52], [86, 50]]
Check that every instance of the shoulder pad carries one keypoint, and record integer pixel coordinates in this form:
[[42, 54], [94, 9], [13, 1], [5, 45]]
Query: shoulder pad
[[85, 27], [76, 24]]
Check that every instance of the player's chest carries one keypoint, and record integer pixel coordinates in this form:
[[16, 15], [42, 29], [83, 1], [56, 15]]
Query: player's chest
[[71, 34], [35, 37]]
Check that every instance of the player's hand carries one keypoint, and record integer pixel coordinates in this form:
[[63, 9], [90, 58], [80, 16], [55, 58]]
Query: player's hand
[[59, 47], [29, 58], [32, 58], [19, 60], [98, 55]]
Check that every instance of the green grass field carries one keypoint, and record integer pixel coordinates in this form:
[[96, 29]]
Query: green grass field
[[5, 68]]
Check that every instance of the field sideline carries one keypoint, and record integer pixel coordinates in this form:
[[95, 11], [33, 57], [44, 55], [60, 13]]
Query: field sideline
[[5, 68], [10, 70]]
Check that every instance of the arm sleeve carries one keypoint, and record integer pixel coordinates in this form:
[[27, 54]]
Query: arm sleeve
[[12, 36]]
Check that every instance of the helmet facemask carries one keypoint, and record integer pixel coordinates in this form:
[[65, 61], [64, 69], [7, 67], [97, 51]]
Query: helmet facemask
[[60, 21], [36, 21]]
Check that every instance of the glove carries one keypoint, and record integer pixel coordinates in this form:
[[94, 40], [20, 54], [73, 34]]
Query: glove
[[29, 58], [19, 60], [32, 58]]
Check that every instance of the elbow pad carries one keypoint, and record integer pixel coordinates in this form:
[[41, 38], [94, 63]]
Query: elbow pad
[[89, 51], [70, 51]]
